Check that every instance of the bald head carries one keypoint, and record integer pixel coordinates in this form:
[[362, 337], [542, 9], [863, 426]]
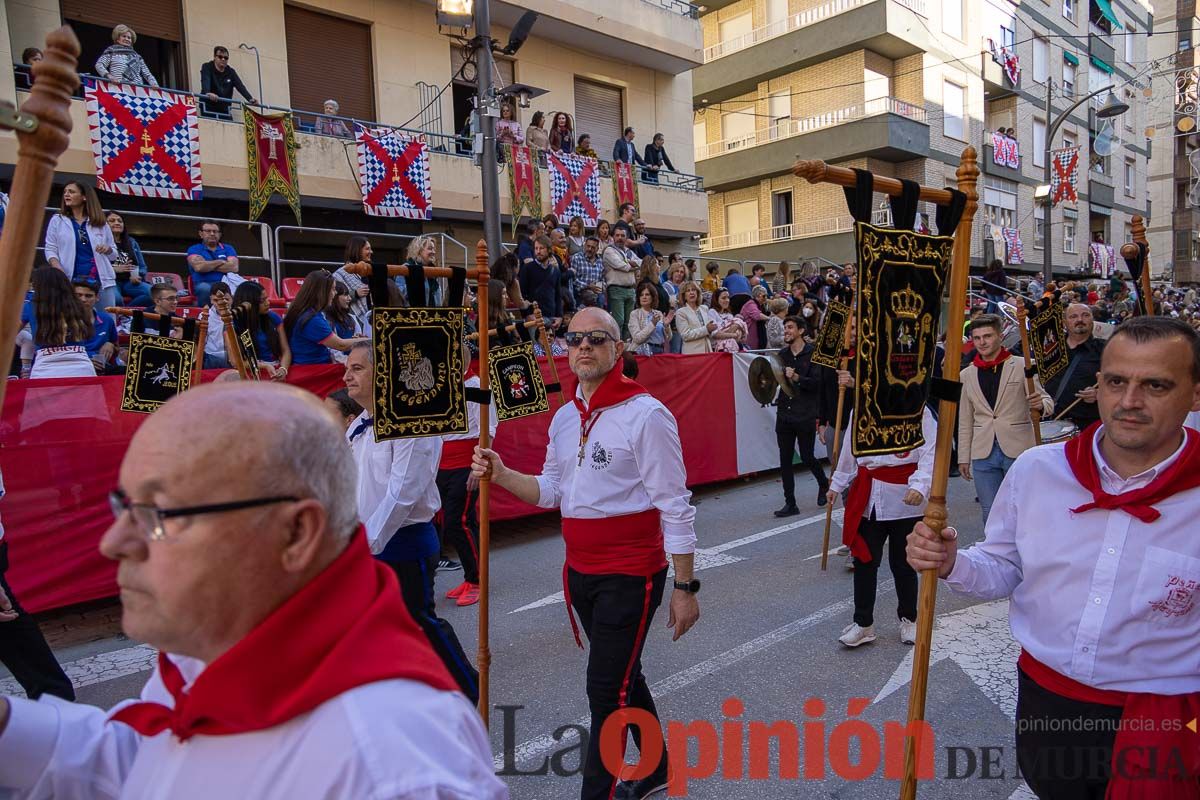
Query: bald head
[[592, 319], [1078, 319]]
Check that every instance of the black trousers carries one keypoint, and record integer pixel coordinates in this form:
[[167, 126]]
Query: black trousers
[[460, 519], [24, 651], [789, 435], [615, 612], [1064, 747], [416, 586], [866, 575]]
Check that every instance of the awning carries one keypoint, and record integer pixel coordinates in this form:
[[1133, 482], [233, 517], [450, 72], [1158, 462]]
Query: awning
[[1106, 11], [1100, 65], [1071, 58]]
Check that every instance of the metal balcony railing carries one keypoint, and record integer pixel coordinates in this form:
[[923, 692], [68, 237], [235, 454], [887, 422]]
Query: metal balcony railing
[[680, 7], [796, 230], [795, 127]]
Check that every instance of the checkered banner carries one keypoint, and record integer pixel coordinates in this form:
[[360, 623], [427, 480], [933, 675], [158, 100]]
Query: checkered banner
[[574, 186], [145, 140], [1064, 175], [393, 169]]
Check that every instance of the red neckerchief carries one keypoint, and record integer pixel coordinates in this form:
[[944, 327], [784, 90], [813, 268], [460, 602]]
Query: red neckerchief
[[1183, 474], [995, 362], [614, 389], [348, 627]]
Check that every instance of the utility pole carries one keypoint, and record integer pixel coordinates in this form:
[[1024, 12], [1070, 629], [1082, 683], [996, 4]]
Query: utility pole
[[486, 111], [1048, 208]]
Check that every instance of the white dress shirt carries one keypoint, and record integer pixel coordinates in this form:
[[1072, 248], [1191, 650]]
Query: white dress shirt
[[887, 499], [1100, 596], [397, 482], [1193, 420], [632, 461], [214, 343], [390, 740], [473, 417]]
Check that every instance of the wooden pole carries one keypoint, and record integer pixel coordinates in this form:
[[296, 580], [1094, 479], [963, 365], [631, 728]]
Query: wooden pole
[[1076, 402], [837, 428], [1138, 226], [363, 270], [153, 316], [201, 337], [935, 511], [545, 339], [42, 136], [1036, 416], [483, 275], [509, 328], [820, 172], [233, 347]]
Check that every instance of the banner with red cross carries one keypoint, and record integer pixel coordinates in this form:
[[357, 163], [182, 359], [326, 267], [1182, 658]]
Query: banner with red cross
[[393, 170], [625, 188], [271, 160], [574, 187], [524, 184], [145, 140], [1064, 175]]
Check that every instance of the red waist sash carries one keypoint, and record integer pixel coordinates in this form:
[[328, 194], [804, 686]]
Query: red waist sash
[[860, 496], [457, 453]]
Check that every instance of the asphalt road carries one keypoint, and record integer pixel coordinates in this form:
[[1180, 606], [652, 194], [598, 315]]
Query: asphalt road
[[765, 652]]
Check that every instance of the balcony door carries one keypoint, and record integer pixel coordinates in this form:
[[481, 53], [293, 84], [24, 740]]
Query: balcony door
[[737, 129], [737, 27], [741, 223]]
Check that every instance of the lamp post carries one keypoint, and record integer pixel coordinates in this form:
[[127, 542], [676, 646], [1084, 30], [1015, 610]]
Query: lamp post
[[1112, 108]]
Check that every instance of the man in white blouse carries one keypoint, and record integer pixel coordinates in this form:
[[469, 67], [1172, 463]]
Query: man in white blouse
[[614, 466], [288, 666], [1095, 542]]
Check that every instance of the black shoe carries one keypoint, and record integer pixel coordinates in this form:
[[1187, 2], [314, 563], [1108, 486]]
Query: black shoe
[[640, 790], [446, 565], [954, 473], [788, 510], [822, 498]]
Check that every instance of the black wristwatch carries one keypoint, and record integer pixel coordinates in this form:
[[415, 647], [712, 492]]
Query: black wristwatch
[[691, 587]]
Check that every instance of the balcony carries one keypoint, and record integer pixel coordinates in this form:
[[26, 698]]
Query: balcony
[[885, 128], [996, 83], [892, 28], [1100, 46], [828, 226], [989, 165]]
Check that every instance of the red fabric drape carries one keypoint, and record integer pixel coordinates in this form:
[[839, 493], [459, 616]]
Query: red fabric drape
[[62, 441]]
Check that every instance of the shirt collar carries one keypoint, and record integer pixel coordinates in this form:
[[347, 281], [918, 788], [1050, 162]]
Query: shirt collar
[[1113, 483]]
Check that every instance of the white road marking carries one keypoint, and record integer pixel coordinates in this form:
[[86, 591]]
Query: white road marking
[[98, 668]]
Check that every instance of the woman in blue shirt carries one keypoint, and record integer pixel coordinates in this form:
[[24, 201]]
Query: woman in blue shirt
[[308, 331], [252, 312], [344, 323]]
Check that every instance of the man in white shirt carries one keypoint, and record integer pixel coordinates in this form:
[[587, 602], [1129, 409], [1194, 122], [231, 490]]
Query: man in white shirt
[[614, 465], [1094, 540], [397, 500], [288, 665], [215, 356], [887, 496]]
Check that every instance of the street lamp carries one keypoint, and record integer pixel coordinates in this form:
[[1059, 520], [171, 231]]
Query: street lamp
[[1112, 108]]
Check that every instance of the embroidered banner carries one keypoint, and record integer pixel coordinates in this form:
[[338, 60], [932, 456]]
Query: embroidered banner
[[899, 303], [1104, 258], [417, 350], [1047, 329], [393, 171], [271, 160], [625, 188], [145, 140], [574, 186], [1064, 175], [1016, 252], [1005, 151], [157, 369], [524, 184], [828, 348], [516, 381], [1008, 60]]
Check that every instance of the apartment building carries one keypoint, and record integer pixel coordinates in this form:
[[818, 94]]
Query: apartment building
[[627, 63]]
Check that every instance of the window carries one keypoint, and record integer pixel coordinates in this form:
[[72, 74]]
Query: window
[[462, 93], [1070, 220], [1100, 14], [699, 134], [1097, 163], [1068, 9], [1041, 59], [737, 129], [779, 106], [876, 85], [1130, 176], [735, 28], [1130, 38], [1068, 78], [311, 37], [1128, 232], [777, 11], [159, 25], [1182, 245], [741, 221], [1000, 202], [1068, 140], [952, 21], [1130, 116], [1008, 35], [1097, 79], [1039, 232], [599, 113], [781, 213], [1039, 143], [954, 111]]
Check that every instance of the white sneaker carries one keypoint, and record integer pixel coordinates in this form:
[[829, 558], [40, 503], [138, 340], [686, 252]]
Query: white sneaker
[[850, 563], [908, 631], [853, 635], [843, 551]]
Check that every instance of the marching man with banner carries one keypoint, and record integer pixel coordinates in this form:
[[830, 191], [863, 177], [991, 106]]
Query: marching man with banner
[[1074, 390], [614, 465]]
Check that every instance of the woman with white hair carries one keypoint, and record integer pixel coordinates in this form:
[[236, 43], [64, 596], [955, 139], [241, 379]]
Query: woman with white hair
[[329, 126], [121, 63], [423, 251]]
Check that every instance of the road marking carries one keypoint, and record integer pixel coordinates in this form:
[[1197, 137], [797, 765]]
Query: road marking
[[98, 668], [706, 557]]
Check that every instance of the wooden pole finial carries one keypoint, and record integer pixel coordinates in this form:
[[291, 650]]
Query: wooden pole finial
[[1138, 227], [811, 170]]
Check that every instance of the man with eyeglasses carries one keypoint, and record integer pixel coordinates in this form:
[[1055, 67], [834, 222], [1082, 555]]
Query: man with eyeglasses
[[217, 82], [288, 665], [614, 466]]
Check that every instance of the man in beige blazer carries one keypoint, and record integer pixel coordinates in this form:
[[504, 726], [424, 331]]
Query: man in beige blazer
[[994, 422]]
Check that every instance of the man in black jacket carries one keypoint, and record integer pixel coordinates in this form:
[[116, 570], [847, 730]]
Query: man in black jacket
[[796, 417], [217, 81], [1078, 380]]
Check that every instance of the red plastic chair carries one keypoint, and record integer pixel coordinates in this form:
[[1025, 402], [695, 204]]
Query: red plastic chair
[[269, 286], [291, 287], [186, 298]]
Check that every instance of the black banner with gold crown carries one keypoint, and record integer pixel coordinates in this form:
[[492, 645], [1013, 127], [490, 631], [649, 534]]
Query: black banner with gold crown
[[249, 353], [517, 381], [1047, 338], [418, 372], [899, 302], [157, 369], [827, 350]]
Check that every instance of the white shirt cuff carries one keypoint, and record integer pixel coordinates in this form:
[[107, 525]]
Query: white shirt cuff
[[679, 538], [547, 497], [27, 743], [960, 573]]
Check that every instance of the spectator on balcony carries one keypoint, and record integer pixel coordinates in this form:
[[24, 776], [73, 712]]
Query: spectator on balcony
[[656, 158], [508, 130], [588, 268], [536, 134], [266, 329], [30, 56], [584, 147], [357, 249], [648, 326], [562, 133], [692, 323], [756, 320], [620, 276], [79, 241], [211, 260], [129, 268], [625, 150], [730, 330], [102, 346], [540, 279], [604, 233], [782, 282], [330, 124], [121, 63], [60, 325], [215, 354], [737, 284], [576, 236], [308, 332], [712, 278], [217, 82]]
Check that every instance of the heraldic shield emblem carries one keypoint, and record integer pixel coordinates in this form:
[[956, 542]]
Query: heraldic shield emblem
[[418, 372], [517, 381], [159, 368]]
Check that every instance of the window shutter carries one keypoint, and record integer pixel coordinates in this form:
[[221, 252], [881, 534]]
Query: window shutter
[[162, 19], [329, 58], [598, 114]]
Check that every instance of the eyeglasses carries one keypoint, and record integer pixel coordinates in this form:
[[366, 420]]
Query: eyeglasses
[[594, 338], [151, 520], [222, 56]]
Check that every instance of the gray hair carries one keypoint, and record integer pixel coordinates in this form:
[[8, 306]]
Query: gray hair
[[120, 29], [333, 103], [418, 244]]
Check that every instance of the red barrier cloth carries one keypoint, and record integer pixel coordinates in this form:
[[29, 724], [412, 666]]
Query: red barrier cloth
[[62, 441]]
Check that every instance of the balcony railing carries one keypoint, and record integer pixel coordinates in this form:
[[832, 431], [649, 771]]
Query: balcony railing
[[682, 7], [786, 233], [794, 22], [796, 127]]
